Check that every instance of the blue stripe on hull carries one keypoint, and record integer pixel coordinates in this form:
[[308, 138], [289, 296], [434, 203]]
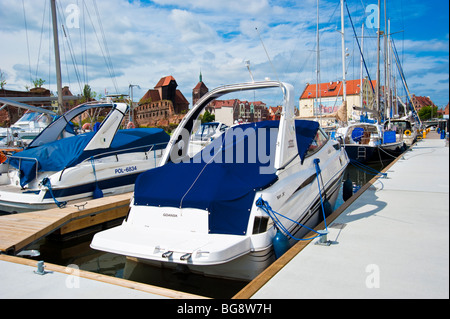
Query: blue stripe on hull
[[86, 188]]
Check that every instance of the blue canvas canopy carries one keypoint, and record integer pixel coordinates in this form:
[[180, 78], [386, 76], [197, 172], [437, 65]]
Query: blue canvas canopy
[[68, 152], [208, 181]]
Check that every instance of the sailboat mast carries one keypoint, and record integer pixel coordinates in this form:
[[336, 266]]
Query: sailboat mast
[[57, 57], [361, 81], [377, 91], [388, 71], [344, 84], [318, 100]]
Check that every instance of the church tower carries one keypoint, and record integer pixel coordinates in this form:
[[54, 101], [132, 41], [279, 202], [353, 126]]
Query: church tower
[[199, 90]]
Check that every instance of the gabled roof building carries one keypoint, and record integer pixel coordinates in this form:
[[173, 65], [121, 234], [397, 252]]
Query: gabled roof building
[[162, 105], [326, 98]]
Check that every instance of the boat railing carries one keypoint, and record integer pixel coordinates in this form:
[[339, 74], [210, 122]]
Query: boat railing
[[20, 163], [151, 147]]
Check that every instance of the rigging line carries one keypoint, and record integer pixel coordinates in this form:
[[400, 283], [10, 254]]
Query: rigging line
[[106, 46], [86, 79], [67, 67], [267, 54], [101, 48], [69, 45], [28, 44], [224, 135], [40, 40], [315, 44], [359, 46]]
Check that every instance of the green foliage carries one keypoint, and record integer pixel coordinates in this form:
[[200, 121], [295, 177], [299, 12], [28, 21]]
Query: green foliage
[[2, 79], [208, 117], [428, 112], [38, 83]]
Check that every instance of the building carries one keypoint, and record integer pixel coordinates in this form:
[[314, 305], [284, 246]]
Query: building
[[67, 104], [235, 110], [330, 98], [199, 90], [421, 101], [274, 112], [162, 105]]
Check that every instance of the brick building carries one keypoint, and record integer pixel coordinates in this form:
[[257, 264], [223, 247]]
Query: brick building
[[162, 105]]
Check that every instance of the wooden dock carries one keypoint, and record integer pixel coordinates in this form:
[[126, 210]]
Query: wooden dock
[[20, 230]]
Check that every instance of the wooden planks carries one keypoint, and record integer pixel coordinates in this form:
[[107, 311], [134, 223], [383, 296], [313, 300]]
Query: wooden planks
[[19, 230]]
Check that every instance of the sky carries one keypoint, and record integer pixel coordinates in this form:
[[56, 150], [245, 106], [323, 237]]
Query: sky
[[110, 44]]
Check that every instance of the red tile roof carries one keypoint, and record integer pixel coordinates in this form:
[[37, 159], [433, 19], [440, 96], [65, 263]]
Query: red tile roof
[[200, 85], [217, 104], [153, 95], [331, 89], [165, 81], [421, 101]]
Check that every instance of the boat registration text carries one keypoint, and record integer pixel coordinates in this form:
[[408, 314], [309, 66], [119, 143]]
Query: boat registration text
[[127, 169]]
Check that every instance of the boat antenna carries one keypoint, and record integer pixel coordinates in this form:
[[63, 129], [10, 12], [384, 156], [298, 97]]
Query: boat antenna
[[267, 54]]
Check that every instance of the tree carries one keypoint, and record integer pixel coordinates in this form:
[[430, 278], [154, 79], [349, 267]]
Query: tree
[[428, 112], [208, 117], [38, 83], [2, 79]]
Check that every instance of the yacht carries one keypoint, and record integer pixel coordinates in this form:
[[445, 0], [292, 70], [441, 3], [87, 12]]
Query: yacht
[[213, 213], [404, 128], [61, 166], [367, 142], [22, 132]]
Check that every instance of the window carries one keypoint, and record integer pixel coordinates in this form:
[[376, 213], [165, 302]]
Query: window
[[320, 140]]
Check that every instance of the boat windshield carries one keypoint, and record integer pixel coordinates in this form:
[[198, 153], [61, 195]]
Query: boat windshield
[[206, 130], [398, 126], [29, 117], [37, 117]]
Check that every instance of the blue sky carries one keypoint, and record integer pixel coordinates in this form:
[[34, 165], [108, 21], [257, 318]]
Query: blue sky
[[147, 40]]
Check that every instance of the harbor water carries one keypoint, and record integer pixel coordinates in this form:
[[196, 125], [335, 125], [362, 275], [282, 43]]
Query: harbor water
[[77, 253]]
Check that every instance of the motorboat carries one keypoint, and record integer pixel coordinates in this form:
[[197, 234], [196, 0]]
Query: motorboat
[[404, 129], [20, 134], [366, 142], [60, 166], [204, 135], [207, 213]]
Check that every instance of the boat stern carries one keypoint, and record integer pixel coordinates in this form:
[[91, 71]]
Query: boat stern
[[167, 234]]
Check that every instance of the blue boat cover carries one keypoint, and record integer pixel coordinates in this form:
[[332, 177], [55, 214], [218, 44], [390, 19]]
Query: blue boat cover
[[357, 134], [68, 152], [208, 181]]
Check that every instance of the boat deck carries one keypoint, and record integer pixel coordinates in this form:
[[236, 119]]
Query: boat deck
[[391, 242]]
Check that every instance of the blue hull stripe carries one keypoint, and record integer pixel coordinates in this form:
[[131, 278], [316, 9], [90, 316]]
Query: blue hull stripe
[[86, 188]]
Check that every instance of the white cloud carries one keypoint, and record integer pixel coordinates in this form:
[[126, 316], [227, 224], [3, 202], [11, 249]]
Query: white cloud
[[191, 28], [151, 39]]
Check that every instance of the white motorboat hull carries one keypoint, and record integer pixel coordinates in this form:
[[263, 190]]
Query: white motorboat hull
[[251, 264], [184, 231], [77, 183]]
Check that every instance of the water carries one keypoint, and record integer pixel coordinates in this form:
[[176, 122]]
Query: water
[[78, 252]]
